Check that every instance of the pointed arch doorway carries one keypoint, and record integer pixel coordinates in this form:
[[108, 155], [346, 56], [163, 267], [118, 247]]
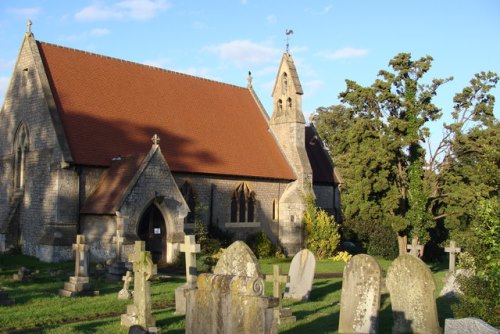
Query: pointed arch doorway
[[152, 229]]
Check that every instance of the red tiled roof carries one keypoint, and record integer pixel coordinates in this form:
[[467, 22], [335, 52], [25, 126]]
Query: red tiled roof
[[320, 163], [109, 191], [111, 107]]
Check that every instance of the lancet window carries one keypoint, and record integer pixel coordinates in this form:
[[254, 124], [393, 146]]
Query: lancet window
[[243, 204], [20, 149]]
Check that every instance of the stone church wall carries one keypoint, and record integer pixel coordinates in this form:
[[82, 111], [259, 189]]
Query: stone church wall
[[38, 204]]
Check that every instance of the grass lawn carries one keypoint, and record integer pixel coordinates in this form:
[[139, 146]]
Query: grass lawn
[[39, 309]]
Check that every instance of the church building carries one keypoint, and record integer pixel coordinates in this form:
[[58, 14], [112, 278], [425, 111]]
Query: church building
[[97, 146]]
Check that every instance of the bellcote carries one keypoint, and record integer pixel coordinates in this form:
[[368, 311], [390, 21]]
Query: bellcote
[[287, 94]]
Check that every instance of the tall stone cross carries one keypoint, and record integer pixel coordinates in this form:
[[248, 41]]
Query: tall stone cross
[[190, 247], [81, 261], [276, 278], [415, 248], [118, 240], [453, 249], [143, 270]]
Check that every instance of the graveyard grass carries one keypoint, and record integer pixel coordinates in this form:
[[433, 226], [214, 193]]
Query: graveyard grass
[[39, 309]]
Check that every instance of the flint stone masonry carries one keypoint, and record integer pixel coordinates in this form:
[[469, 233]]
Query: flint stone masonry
[[468, 326], [360, 299], [411, 287], [232, 299], [301, 275]]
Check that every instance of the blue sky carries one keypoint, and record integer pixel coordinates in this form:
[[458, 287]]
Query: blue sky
[[223, 40]]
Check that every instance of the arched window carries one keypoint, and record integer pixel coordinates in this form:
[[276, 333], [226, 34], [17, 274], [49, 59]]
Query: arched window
[[20, 149], [289, 104], [284, 83], [243, 204], [280, 105], [190, 198], [275, 209]]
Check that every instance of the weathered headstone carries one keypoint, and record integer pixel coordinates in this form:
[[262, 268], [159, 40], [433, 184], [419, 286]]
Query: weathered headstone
[[125, 292], [22, 275], [360, 299], [139, 313], [283, 315], [453, 250], [468, 326], [301, 275], [117, 268], [451, 286], [190, 248], [411, 287], [231, 300], [415, 248], [79, 284]]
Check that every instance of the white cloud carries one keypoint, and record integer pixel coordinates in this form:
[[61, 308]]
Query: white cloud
[[326, 9], [244, 52], [345, 53], [271, 19], [99, 32], [159, 62], [313, 86], [7, 64], [25, 12], [126, 9]]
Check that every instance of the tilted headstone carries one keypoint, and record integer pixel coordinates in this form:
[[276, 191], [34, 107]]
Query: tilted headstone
[[125, 292], [139, 313], [453, 250], [231, 300], [79, 284], [451, 286], [411, 287], [301, 275], [190, 248], [468, 326], [283, 315], [415, 248], [360, 299]]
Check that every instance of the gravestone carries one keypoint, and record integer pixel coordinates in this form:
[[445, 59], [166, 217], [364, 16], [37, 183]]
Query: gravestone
[[415, 248], [360, 299], [22, 275], [453, 250], [190, 248], [411, 287], [301, 275], [467, 326], [283, 315], [139, 313], [117, 268], [125, 292], [231, 300], [79, 284], [451, 286]]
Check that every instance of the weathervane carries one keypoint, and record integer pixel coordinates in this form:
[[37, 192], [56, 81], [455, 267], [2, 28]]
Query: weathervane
[[288, 32]]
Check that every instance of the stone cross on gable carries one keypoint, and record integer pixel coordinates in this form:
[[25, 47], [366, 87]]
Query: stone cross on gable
[[453, 249], [81, 263], [190, 247], [118, 240], [415, 248], [156, 139], [276, 278]]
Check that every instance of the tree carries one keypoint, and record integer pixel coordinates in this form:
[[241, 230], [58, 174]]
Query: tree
[[388, 123]]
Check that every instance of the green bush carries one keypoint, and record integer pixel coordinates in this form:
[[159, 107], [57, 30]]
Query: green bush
[[261, 245], [383, 242], [322, 232]]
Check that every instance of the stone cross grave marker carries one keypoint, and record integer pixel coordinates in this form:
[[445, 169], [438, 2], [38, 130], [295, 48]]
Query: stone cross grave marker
[[81, 261], [360, 299], [125, 293], [139, 313], [190, 248], [411, 287], [78, 284], [301, 275], [118, 240], [453, 250], [415, 248], [284, 315]]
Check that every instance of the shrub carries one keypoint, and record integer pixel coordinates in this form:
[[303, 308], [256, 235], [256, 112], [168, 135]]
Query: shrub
[[342, 256], [383, 242], [261, 245], [322, 232]]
